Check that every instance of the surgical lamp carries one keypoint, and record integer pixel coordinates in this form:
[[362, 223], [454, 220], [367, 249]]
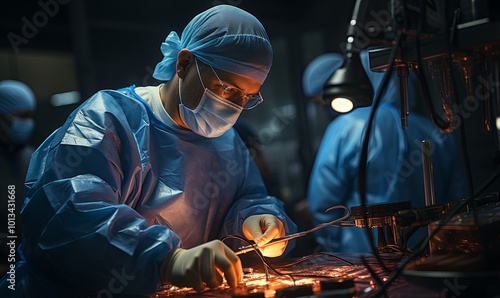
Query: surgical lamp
[[349, 87]]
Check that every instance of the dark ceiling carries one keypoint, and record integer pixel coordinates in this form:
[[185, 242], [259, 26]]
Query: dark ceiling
[[47, 24], [113, 41]]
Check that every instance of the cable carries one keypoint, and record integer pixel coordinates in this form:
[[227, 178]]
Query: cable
[[403, 251], [364, 151], [451, 212], [252, 247], [487, 183], [305, 258], [266, 265], [330, 223], [465, 147], [264, 262], [425, 241], [442, 124], [438, 122], [371, 271]]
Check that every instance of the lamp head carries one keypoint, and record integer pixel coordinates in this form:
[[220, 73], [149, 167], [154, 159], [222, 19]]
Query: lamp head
[[349, 87]]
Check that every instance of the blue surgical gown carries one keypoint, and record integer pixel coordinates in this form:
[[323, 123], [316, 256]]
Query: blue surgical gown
[[110, 193], [394, 166]]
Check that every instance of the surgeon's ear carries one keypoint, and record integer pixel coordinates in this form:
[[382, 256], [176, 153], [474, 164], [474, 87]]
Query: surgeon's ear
[[184, 60]]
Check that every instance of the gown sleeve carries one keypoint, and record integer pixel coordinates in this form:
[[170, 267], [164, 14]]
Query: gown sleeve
[[78, 216], [252, 199]]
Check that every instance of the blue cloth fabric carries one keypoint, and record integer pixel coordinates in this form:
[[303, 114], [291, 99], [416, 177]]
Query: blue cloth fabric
[[394, 164], [224, 37], [318, 71], [110, 193], [16, 96]]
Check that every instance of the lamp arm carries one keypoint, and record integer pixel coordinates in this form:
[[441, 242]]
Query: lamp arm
[[358, 12]]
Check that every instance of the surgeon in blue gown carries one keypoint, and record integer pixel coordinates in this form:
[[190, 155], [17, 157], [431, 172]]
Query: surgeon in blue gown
[[138, 186], [394, 163]]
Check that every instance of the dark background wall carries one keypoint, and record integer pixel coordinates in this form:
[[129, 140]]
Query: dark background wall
[[58, 46]]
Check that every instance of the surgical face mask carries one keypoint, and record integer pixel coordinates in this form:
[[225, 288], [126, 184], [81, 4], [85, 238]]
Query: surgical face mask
[[213, 116], [20, 130]]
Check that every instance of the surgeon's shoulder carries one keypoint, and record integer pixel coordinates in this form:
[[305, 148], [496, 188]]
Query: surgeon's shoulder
[[116, 101]]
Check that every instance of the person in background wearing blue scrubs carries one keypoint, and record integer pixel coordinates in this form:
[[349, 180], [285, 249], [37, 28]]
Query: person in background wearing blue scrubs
[[134, 190], [17, 112], [394, 174], [315, 75]]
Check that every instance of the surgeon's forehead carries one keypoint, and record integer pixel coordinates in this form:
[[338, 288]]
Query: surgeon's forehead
[[237, 80]]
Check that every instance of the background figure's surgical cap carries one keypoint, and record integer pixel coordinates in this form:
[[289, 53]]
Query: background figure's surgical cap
[[15, 96], [318, 71], [224, 37]]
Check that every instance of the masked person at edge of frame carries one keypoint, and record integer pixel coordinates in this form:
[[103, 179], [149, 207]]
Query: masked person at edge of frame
[[394, 173], [17, 123], [140, 182]]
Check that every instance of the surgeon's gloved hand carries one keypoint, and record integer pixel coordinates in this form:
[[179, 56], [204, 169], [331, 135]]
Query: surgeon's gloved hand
[[263, 228], [200, 266]]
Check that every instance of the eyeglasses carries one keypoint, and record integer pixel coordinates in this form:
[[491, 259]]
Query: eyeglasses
[[236, 94]]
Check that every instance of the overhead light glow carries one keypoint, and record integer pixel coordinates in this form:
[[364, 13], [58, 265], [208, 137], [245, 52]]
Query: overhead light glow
[[65, 98], [342, 104]]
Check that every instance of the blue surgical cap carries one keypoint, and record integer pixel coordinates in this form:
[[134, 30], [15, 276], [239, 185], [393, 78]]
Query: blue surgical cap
[[318, 71], [224, 37], [15, 96]]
